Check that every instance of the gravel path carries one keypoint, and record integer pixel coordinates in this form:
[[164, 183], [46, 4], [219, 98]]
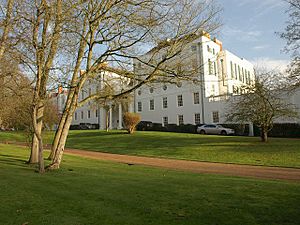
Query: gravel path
[[197, 167]]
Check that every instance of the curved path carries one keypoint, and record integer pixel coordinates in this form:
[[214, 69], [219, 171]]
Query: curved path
[[197, 167]]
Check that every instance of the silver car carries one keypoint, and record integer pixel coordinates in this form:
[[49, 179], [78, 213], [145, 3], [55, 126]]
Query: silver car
[[214, 129]]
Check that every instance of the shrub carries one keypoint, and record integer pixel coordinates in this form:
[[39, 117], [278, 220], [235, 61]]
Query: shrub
[[130, 121]]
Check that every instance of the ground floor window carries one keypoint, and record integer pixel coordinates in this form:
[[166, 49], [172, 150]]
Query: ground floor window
[[96, 113], [165, 121], [180, 120], [82, 115], [76, 116], [216, 118], [197, 118], [89, 114]]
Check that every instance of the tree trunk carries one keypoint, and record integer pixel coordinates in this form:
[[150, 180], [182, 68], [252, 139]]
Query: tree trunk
[[34, 155], [264, 135], [35, 149]]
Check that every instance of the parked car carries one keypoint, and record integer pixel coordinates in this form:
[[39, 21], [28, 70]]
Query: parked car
[[214, 129]]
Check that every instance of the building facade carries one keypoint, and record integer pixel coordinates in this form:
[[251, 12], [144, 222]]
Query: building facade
[[222, 74]]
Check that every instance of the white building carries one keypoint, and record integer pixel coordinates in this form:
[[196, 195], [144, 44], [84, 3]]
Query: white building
[[222, 74], [106, 113]]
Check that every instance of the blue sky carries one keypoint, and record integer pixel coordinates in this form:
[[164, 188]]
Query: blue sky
[[249, 28]]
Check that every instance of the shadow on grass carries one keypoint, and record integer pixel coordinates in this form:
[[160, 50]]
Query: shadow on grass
[[12, 160]]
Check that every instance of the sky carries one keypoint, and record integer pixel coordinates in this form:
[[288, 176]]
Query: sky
[[249, 28]]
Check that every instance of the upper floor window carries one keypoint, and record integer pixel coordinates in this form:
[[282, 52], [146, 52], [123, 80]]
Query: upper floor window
[[196, 98], [165, 102], [82, 94], [151, 90], [194, 48], [210, 67], [139, 106], [179, 100], [232, 70], [152, 104], [165, 87]]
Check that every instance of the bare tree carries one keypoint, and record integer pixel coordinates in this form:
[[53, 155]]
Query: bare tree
[[108, 35], [292, 37], [261, 103]]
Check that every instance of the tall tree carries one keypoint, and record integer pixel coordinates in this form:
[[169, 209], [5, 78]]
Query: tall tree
[[292, 36], [109, 36], [262, 103]]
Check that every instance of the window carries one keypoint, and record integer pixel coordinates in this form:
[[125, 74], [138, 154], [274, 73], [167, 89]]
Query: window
[[213, 90], [194, 48], [165, 102], [232, 71], [139, 106], [139, 92], [82, 94], [235, 71], [196, 98], [165, 87], [249, 79], [151, 90], [82, 114], [222, 67], [208, 48], [243, 75], [179, 100], [215, 68], [197, 118], [96, 113], [89, 114], [90, 91], [215, 117], [75, 115], [240, 75], [152, 104], [210, 67], [180, 120], [214, 51], [179, 84], [165, 121]]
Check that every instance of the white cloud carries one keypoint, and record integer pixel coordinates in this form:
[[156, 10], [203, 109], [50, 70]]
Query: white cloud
[[243, 35], [270, 64], [261, 47]]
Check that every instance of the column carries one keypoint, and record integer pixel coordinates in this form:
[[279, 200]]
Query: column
[[120, 126], [102, 114], [110, 117], [251, 130]]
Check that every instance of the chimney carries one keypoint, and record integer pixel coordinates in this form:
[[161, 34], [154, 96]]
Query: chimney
[[60, 89], [81, 72], [218, 42], [205, 34]]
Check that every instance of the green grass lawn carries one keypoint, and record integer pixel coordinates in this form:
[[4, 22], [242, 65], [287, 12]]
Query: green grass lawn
[[91, 192], [227, 149]]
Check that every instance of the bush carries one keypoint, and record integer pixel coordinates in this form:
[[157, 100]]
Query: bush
[[131, 120]]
